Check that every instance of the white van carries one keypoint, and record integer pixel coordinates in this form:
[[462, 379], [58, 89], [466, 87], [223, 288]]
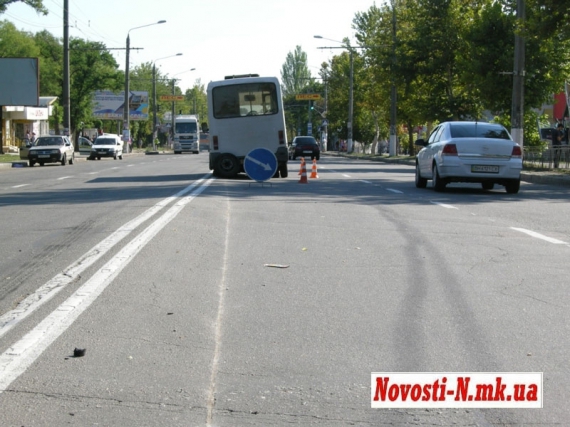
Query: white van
[[107, 145], [244, 113]]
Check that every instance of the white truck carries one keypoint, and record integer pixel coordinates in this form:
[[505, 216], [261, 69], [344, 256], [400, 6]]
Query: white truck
[[186, 134]]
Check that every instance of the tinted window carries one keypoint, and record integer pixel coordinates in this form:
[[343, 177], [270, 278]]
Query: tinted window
[[434, 137], [247, 99], [306, 140], [105, 141], [478, 130]]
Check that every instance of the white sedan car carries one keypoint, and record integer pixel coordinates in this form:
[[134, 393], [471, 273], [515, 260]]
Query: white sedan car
[[469, 152]]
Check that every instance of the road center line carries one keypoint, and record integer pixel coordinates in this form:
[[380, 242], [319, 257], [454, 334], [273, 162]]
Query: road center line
[[395, 191], [539, 236], [444, 205], [52, 287], [23, 353]]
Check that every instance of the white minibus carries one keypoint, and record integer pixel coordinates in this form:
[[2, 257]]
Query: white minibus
[[245, 112]]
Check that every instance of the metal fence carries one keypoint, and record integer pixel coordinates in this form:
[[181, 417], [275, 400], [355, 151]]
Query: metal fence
[[553, 157]]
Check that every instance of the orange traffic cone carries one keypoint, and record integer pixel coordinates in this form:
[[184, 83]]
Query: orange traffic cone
[[314, 173], [303, 173], [302, 163]]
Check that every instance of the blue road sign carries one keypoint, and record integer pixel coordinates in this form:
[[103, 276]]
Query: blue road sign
[[260, 164]]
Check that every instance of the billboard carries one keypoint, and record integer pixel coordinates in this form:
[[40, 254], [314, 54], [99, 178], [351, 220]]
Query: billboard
[[108, 105], [19, 82]]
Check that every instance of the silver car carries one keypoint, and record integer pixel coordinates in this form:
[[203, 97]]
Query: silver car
[[469, 152], [51, 149]]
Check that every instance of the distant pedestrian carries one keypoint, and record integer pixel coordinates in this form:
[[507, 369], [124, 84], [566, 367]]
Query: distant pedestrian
[[557, 136], [33, 138]]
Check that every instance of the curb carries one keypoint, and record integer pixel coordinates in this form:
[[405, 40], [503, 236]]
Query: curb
[[544, 178]]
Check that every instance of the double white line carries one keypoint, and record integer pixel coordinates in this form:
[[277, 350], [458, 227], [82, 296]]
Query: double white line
[[16, 359]]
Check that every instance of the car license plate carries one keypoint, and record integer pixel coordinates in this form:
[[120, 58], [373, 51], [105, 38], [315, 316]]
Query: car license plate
[[484, 169], [44, 156], [308, 151]]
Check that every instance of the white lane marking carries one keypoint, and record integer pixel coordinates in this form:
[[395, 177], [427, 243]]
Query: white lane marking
[[348, 176], [211, 400], [18, 357], [47, 291], [64, 177], [443, 205], [395, 191], [364, 181], [129, 165], [540, 236], [92, 173], [20, 186]]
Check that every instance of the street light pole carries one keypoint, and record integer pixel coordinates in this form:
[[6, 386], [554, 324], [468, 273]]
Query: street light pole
[[173, 82], [126, 106], [154, 120], [349, 147]]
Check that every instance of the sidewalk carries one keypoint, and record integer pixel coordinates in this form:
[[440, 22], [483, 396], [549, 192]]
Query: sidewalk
[[547, 177]]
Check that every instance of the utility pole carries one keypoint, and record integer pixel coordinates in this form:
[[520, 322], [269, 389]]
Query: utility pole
[[66, 108], [517, 111], [393, 93]]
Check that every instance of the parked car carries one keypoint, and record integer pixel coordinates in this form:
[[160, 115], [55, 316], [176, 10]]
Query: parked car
[[51, 149], [469, 152], [304, 146], [107, 145]]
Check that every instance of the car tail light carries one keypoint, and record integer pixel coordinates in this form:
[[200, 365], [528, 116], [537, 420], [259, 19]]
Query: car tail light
[[517, 152], [215, 141], [281, 137], [449, 150]]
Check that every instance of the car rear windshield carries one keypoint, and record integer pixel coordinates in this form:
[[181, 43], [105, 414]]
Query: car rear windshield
[[305, 141], [478, 130], [104, 141]]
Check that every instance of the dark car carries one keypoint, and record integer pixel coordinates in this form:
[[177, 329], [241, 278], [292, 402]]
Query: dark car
[[304, 146]]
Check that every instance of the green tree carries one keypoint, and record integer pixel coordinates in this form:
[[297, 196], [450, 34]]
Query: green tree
[[92, 68], [35, 4], [295, 72], [51, 63], [15, 43]]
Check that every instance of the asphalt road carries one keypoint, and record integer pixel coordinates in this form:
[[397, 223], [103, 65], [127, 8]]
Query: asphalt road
[[212, 302]]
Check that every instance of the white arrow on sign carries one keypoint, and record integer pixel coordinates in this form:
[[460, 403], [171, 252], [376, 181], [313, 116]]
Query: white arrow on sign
[[257, 162]]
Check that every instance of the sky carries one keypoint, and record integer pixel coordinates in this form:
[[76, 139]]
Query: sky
[[216, 37]]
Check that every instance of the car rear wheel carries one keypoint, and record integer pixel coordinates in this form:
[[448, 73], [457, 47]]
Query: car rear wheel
[[72, 159], [420, 182], [513, 186], [438, 183], [32, 163], [283, 169], [63, 160], [487, 185], [227, 165]]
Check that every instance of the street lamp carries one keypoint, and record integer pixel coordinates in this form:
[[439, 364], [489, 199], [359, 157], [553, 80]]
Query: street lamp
[[154, 121], [393, 99], [350, 90], [126, 106], [173, 82]]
